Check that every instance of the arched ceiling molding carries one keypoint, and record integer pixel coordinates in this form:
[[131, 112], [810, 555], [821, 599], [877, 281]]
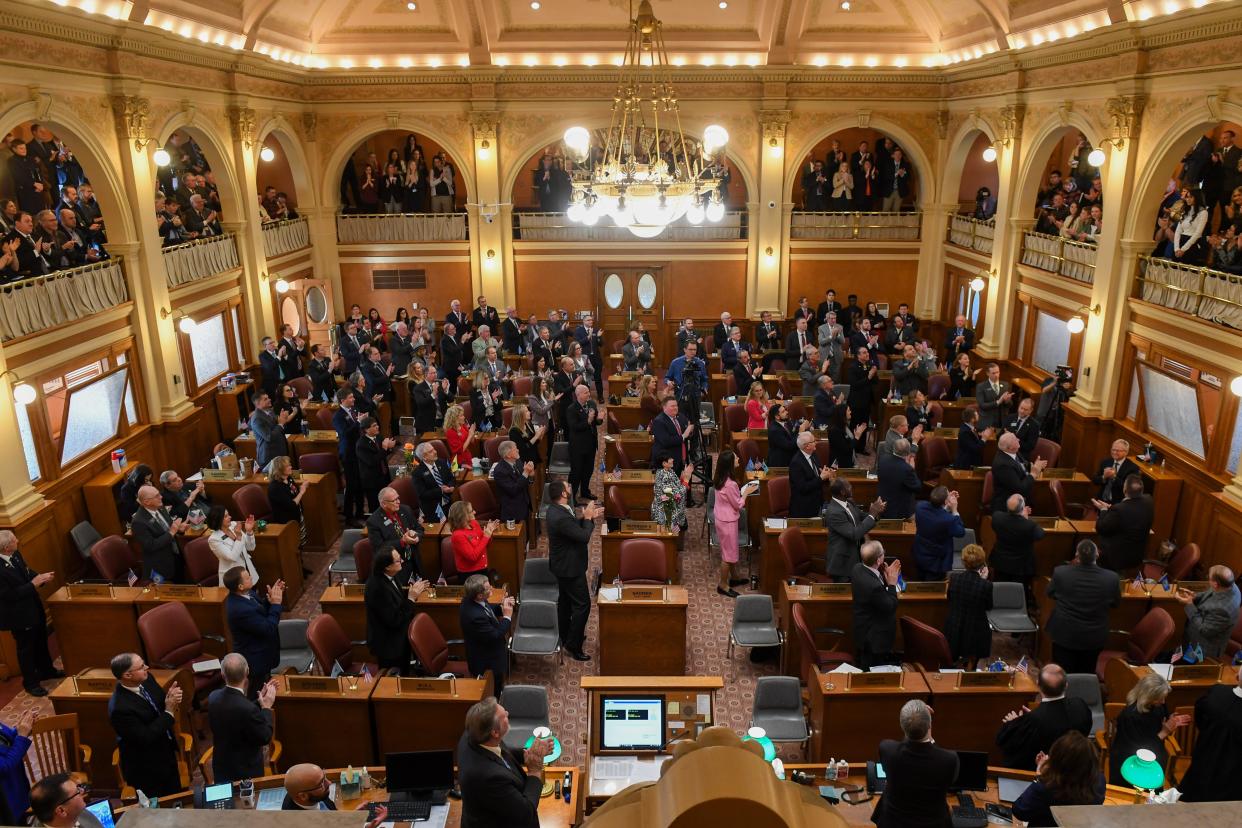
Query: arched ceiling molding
[[1035, 154], [254, 20], [959, 147], [299, 166]]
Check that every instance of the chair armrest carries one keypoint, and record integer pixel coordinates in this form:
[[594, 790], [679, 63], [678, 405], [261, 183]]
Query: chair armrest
[[187, 742], [1172, 747], [274, 754], [828, 631], [86, 753], [358, 643], [164, 665], [1101, 740]]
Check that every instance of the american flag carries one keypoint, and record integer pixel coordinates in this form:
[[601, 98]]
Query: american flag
[[131, 578]]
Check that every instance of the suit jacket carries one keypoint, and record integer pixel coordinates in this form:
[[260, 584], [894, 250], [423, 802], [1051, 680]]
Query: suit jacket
[[910, 376], [583, 432], [240, 729], [825, 405], [806, 489], [743, 378], [254, 624], [1123, 532], [372, 463], [486, 637], [431, 498], [347, 433], [895, 341], [389, 613], [793, 356], [768, 336], [637, 358], [20, 605], [423, 406], [991, 411], [568, 537], [1014, 549], [144, 734], [898, 485], [377, 379], [666, 437], [159, 547], [1083, 596], [782, 444], [953, 349], [490, 318], [875, 611], [920, 774], [269, 438], [847, 529], [1023, 738], [969, 448], [934, 531], [826, 307], [386, 534], [401, 351], [351, 352], [1009, 477], [513, 489], [323, 383], [1209, 621], [1114, 493], [451, 352], [495, 792], [292, 363], [1027, 434], [460, 320]]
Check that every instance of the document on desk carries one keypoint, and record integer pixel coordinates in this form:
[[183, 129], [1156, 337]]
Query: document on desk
[[627, 769], [610, 593], [1165, 671], [885, 668], [845, 667], [776, 523]]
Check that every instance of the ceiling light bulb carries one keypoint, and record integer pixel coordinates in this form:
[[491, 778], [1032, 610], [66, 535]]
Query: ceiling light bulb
[[1076, 325], [24, 394], [715, 137], [1096, 157], [267, 154], [282, 285], [989, 154], [577, 138], [977, 284], [162, 158], [1235, 385]]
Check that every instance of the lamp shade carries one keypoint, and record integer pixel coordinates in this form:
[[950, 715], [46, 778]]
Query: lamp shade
[[758, 734], [1143, 771]]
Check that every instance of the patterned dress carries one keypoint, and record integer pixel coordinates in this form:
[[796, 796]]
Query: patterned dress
[[668, 479]]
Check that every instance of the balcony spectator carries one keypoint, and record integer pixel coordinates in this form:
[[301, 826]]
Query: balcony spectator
[[1054, 186], [26, 178], [201, 221], [895, 182], [442, 191], [264, 216], [411, 149], [985, 205], [1227, 251], [417, 186], [1187, 243], [1081, 170], [867, 187], [30, 253], [74, 246], [815, 188], [1053, 216], [368, 190], [843, 188], [268, 201], [392, 190], [8, 216]]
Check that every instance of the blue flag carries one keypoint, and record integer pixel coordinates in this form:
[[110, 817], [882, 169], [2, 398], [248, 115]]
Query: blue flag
[[1189, 656], [750, 465], [901, 583], [997, 666], [156, 578], [1199, 654], [617, 470], [1138, 581], [1237, 657], [602, 467], [1164, 582]]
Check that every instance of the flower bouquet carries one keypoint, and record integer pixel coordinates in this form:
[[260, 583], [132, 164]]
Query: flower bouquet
[[407, 452], [668, 505]]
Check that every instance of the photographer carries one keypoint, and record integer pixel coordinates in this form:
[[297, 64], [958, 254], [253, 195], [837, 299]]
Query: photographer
[[1057, 390], [690, 363]]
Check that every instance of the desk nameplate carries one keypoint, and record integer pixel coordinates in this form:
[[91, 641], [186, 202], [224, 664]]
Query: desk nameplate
[[852, 474], [804, 523], [218, 475], [642, 593], [89, 590], [630, 402], [980, 471], [1195, 672], [1193, 586], [449, 591], [890, 525], [944, 432], [635, 474], [1004, 679], [872, 680], [353, 590], [434, 686], [312, 684], [646, 527], [321, 434], [104, 685], [176, 592], [926, 587], [1045, 522], [1055, 473], [826, 590]]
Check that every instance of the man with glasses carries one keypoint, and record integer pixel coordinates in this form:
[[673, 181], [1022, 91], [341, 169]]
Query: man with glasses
[[145, 720], [307, 789], [395, 526], [59, 802]]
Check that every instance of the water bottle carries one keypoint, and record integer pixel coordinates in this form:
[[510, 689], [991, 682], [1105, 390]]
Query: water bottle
[[830, 770], [616, 584], [843, 769]]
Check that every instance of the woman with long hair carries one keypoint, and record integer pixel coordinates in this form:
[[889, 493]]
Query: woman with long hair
[[368, 190], [127, 498], [525, 434], [843, 437], [457, 436], [469, 540], [401, 315], [757, 406], [285, 495], [485, 404], [962, 378], [1189, 244], [1069, 774], [872, 314], [1144, 724], [726, 512], [287, 400], [541, 402], [379, 329]]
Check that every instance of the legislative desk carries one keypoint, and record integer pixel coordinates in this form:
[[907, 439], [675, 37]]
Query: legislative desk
[[101, 495], [831, 605], [300, 445], [506, 551], [1053, 549], [616, 384], [644, 632], [319, 512], [324, 720], [952, 417], [968, 483], [206, 608], [1134, 604], [87, 693], [383, 412], [233, 407], [630, 415], [849, 716], [611, 541], [969, 716], [949, 435], [423, 714], [637, 448], [1165, 487], [759, 505], [637, 488], [1188, 684]]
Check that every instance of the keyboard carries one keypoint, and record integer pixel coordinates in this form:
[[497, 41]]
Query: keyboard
[[414, 810], [969, 816]]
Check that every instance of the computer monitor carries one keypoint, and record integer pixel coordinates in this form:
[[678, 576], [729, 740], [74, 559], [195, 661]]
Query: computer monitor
[[419, 773], [103, 812], [972, 771], [632, 723]]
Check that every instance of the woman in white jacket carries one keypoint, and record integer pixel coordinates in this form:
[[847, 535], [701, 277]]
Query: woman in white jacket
[[1189, 233], [231, 542]]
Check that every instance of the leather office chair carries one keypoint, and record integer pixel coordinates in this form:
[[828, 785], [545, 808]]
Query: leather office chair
[[478, 493], [323, 418], [344, 565], [172, 641], [1086, 686], [985, 497], [538, 582], [448, 561], [778, 496], [615, 509], [823, 453], [431, 650], [522, 386], [506, 419], [748, 452], [797, 558], [1179, 566], [404, 487], [491, 448], [730, 385], [114, 558], [442, 451], [735, 417], [938, 386], [933, 458], [935, 412], [364, 556], [84, 536], [797, 410], [558, 460], [1047, 450], [536, 631], [778, 364], [302, 386], [1151, 636], [322, 462], [527, 706], [295, 651], [1058, 497], [467, 411], [56, 747], [465, 384], [754, 623], [650, 406], [201, 565], [614, 425], [709, 345], [642, 561], [811, 654], [925, 645], [1008, 613], [330, 645], [623, 456], [251, 499]]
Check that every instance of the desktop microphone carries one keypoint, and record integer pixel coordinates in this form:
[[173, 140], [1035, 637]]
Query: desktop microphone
[[684, 731]]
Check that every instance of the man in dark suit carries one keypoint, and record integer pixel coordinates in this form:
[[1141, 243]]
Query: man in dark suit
[[292, 350], [400, 349], [919, 774], [434, 483], [1013, 555], [179, 498], [390, 609], [1025, 428], [1196, 162], [874, 589], [899, 483], [372, 451], [591, 339], [825, 402], [1112, 472], [1026, 734], [1084, 593], [806, 479], [768, 333], [568, 539], [32, 255], [394, 525], [829, 305], [582, 423], [155, 530], [959, 340], [240, 727], [350, 346], [1009, 473], [1123, 527], [670, 433], [847, 527], [144, 718], [345, 424], [457, 318], [512, 332], [269, 430], [254, 622], [485, 635], [897, 337], [429, 400], [970, 440], [485, 314], [495, 790], [21, 613], [451, 353], [795, 345], [993, 398], [378, 376], [512, 478], [745, 374], [936, 524]]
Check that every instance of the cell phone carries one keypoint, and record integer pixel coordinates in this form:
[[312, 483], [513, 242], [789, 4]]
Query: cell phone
[[999, 811]]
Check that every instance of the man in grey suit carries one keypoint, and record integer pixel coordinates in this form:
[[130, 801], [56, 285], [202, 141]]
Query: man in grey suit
[[1084, 593], [637, 353], [568, 539], [1211, 614], [269, 431], [898, 429], [994, 398], [847, 526], [155, 530], [832, 345]]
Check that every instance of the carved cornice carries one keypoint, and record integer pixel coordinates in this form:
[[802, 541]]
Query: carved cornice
[[1125, 114], [133, 114], [242, 124], [484, 123]]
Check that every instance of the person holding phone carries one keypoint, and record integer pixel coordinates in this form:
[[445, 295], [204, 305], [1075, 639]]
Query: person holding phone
[[726, 511]]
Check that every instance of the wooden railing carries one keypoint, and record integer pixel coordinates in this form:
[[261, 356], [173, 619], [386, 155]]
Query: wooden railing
[[281, 237], [52, 301], [400, 227], [965, 231], [857, 226], [1198, 291], [558, 227], [200, 259], [1054, 254]]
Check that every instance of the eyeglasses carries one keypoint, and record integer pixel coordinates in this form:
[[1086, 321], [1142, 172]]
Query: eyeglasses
[[80, 790], [322, 783]]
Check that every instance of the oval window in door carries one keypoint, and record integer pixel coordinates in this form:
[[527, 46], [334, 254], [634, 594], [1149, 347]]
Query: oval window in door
[[316, 305], [289, 314], [646, 291], [614, 291]]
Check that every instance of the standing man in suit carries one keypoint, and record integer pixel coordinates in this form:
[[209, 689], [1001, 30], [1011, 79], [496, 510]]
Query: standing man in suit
[[745, 374], [457, 317], [513, 483], [670, 434], [829, 305], [1026, 734], [1123, 527], [1025, 428], [156, 531], [485, 314], [591, 339], [513, 333], [485, 635], [970, 440], [345, 424], [144, 718], [378, 376], [899, 483], [824, 403], [636, 353], [1112, 471], [919, 773], [451, 353], [993, 397], [936, 524], [499, 785], [271, 366], [1013, 555], [831, 340], [806, 479], [959, 340], [21, 613], [401, 349], [795, 345], [847, 527], [1084, 593], [898, 336], [429, 400], [372, 451], [1009, 472], [254, 622], [240, 727], [874, 588], [269, 430], [395, 525], [568, 538], [768, 338], [350, 346], [390, 609], [582, 423], [292, 350], [1211, 614], [434, 483]]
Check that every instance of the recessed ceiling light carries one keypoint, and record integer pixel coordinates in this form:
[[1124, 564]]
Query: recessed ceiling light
[[723, 4], [412, 6], [536, 5]]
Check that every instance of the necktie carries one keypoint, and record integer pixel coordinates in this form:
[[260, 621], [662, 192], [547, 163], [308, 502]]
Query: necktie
[[142, 691], [159, 516], [801, 341], [1021, 420]]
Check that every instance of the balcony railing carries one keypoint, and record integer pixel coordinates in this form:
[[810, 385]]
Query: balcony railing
[[857, 226], [965, 231], [400, 227], [1199, 291], [1054, 254], [200, 259], [50, 302], [558, 227], [281, 237]]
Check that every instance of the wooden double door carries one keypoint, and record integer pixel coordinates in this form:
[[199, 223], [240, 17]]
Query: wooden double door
[[626, 295]]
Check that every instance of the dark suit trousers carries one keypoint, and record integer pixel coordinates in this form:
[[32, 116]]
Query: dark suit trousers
[[32, 654], [353, 491], [581, 466], [573, 608], [1074, 660]]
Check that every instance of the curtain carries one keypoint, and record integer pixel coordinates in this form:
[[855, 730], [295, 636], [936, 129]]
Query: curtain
[[401, 227], [200, 259], [1167, 273], [871, 226], [51, 301], [281, 237], [557, 227]]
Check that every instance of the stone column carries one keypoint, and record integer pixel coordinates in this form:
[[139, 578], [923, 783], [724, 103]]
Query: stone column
[[1007, 246], [930, 287], [248, 229], [325, 255], [491, 276], [767, 274]]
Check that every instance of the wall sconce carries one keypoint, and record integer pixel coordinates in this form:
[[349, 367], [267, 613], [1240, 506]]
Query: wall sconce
[[281, 284], [989, 154], [485, 148], [1096, 157], [162, 158], [267, 154], [1235, 385], [1076, 324], [491, 258], [23, 393], [978, 283], [184, 323], [774, 147]]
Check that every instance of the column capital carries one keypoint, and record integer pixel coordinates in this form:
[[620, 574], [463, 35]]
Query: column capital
[[1125, 115], [1135, 247], [774, 122], [484, 123], [242, 122], [132, 113]]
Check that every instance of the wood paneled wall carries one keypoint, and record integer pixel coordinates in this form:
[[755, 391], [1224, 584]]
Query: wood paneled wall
[[446, 281], [869, 274]]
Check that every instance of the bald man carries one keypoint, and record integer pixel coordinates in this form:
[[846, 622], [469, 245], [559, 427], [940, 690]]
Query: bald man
[[307, 789], [1025, 734], [156, 531], [1010, 474], [1212, 614]]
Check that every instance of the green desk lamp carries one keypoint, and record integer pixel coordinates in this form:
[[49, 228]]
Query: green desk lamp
[[758, 734], [1143, 771]]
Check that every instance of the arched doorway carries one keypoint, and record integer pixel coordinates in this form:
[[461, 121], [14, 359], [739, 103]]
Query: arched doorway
[[277, 181], [1069, 198], [189, 201], [978, 185]]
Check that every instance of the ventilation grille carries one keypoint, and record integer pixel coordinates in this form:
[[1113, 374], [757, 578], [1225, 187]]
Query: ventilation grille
[[402, 279], [1179, 368]]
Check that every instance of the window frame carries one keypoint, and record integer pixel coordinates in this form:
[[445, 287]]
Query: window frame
[[236, 361]]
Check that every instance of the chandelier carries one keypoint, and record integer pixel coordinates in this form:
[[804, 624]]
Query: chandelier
[[643, 172]]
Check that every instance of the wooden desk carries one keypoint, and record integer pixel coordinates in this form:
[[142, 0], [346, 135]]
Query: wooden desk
[[970, 494], [610, 543], [973, 715], [637, 448], [506, 553], [92, 709], [1055, 548], [952, 411], [637, 490], [323, 524], [772, 562], [446, 611], [329, 729], [899, 543], [300, 445], [629, 417], [643, 638], [421, 720], [275, 557], [1120, 677], [100, 494], [759, 505], [1135, 603], [91, 630], [233, 407], [207, 610], [1165, 487], [848, 722]]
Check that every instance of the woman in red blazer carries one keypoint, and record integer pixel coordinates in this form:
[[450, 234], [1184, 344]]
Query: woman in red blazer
[[469, 540]]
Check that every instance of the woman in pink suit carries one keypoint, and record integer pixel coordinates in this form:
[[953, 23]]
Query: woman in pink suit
[[726, 511]]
